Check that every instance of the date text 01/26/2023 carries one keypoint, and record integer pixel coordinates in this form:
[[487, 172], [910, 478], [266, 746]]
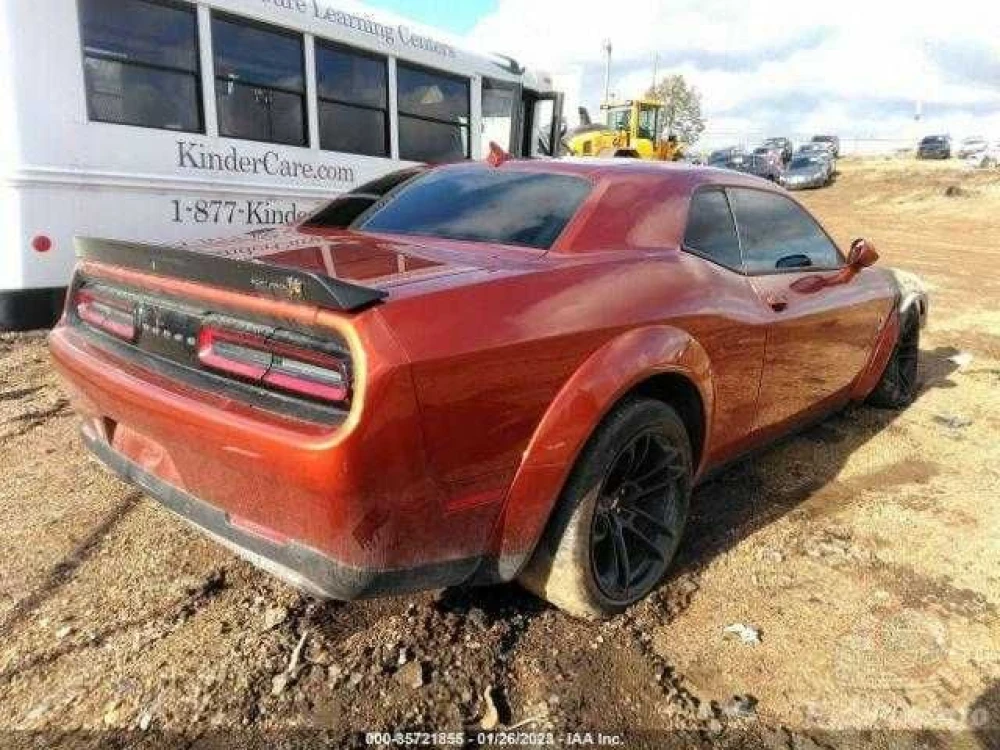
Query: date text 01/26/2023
[[494, 738], [247, 211]]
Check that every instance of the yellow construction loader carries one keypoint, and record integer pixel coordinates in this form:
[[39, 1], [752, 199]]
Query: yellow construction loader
[[630, 129]]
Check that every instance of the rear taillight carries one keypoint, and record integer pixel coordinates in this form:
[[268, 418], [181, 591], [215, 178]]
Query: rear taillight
[[234, 353], [109, 314], [276, 359], [278, 364]]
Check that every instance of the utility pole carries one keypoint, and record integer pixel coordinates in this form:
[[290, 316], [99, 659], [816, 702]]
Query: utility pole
[[918, 108], [606, 45], [656, 64]]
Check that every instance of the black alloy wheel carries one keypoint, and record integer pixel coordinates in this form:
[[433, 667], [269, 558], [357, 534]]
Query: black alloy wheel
[[637, 518], [903, 367], [898, 386], [619, 520]]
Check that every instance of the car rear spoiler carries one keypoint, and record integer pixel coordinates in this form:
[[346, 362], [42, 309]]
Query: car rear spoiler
[[282, 282]]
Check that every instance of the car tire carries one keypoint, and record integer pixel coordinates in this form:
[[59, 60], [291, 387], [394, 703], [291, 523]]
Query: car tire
[[897, 387], [621, 514]]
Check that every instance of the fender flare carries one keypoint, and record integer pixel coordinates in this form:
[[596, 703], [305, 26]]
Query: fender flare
[[911, 301], [578, 408], [885, 343], [912, 294], [911, 298], [914, 301]]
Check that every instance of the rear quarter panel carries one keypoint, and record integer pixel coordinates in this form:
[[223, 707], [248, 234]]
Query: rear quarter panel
[[489, 359]]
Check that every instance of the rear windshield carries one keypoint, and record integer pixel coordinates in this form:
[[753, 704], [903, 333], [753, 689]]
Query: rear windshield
[[481, 204], [803, 161]]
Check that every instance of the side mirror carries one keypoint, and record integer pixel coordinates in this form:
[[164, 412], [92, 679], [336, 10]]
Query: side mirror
[[862, 254]]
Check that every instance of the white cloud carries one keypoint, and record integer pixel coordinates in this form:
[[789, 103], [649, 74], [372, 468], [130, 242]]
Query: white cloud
[[856, 67]]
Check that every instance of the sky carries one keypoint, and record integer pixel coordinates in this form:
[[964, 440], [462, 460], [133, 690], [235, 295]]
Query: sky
[[457, 16], [763, 67]]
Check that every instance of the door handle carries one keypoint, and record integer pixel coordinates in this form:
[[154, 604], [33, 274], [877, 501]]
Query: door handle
[[777, 302]]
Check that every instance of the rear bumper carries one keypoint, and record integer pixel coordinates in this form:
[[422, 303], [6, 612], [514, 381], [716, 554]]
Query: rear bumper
[[806, 185], [296, 564], [343, 511]]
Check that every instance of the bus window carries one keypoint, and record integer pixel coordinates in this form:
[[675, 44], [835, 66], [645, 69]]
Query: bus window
[[140, 63], [259, 82], [433, 115], [353, 101], [499, 101]]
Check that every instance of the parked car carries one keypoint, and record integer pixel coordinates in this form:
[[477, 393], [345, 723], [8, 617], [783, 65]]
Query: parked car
[[782, 144], [821, 150], [764, 162], [817, 148], [479, 372], [725, 157], [987, 157], [767, 165], [833, 140], [772, 151], [934, 147], [808, 171], [972, 145]]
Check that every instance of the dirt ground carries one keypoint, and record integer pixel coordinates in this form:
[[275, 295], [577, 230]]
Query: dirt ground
[[862, 556]]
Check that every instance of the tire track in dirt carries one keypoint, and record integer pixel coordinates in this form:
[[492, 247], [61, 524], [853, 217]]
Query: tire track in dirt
[[29, 420], [64, 571]]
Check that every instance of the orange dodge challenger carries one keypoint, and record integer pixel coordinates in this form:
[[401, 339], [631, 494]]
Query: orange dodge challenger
[[479, 372]]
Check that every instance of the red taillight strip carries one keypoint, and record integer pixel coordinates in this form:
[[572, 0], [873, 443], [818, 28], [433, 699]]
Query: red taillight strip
[[111, 316], [303, 377], [274, 363], [233, 352]]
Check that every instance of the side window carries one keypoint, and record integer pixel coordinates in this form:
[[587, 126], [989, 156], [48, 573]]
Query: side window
[[433, 115], [777, 234], [353, 101], [259, 82], [343, 210], [140, 61], [710, 230]]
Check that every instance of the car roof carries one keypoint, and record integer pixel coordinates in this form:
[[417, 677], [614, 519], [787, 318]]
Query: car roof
[[683, 175]]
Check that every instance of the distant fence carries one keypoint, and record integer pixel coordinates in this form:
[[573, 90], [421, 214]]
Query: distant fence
[[849, 144]]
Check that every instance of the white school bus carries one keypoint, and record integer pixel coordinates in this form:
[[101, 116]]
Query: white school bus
[[174, 120]]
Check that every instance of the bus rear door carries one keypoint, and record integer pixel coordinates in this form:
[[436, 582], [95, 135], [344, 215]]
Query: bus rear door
[[541, 125]]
